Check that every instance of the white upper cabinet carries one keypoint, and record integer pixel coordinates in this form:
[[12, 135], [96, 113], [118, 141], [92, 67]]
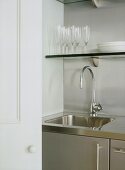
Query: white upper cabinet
[[9, 60], [20, 84]]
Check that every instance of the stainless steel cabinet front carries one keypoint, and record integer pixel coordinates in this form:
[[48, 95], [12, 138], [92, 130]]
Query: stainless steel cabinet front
[[71, 152], [117, 155]]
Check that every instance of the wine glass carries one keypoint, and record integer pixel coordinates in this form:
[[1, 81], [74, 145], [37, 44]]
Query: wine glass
[[78, 38], [86, 36], [75, 38]]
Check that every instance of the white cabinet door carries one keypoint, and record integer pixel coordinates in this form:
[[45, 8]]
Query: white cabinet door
[[9, 57], [20, 84]]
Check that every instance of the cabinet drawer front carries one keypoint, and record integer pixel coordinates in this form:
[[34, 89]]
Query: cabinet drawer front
[[117, 155], [71, 152]]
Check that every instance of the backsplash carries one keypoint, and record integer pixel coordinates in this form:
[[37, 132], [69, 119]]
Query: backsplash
[[110, 85], [107, 24]]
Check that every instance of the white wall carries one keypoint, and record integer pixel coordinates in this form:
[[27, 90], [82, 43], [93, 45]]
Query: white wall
[[53, 15], [107, 24]]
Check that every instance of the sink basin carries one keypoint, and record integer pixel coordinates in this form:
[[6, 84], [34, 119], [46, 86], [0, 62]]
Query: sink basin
[[85, 121]]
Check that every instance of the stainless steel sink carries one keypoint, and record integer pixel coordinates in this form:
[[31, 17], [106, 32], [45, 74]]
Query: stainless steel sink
[[85, 121]]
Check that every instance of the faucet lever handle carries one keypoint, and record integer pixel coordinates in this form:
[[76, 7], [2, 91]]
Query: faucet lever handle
[[99, 107]]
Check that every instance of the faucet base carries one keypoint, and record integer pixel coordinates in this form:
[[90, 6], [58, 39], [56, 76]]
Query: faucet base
[[93, 114]]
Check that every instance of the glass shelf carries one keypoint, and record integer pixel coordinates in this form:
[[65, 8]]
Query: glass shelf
[[90, 55], [71, 1], [95, 56]]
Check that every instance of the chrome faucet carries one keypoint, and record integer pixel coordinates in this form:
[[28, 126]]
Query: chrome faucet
[[94, 108]]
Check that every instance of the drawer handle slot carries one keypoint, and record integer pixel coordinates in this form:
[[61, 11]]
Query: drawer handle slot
[[119, 150]]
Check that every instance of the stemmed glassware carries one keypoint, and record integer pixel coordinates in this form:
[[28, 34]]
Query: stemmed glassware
[[63, 36], [86, 36], [69, 40], [75, 39]]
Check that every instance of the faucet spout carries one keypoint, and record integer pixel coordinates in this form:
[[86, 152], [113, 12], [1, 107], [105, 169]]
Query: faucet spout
[[94, 108]]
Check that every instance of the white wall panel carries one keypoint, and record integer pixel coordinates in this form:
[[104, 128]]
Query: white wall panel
[[9, 58], [53, 15]]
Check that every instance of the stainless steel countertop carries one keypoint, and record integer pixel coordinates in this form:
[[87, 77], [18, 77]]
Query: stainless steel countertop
[[112, 130]]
